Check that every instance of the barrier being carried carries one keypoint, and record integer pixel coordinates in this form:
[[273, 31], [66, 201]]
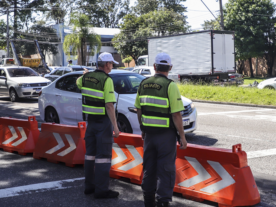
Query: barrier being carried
[[18, 135], [218, 175], [127, 157], [61, 143]]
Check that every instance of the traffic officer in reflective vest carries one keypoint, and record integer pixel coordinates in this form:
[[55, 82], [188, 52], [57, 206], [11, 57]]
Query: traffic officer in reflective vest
[[97, 105], [159, 104]]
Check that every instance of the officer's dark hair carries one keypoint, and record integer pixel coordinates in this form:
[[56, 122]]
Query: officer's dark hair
[[162, 68]]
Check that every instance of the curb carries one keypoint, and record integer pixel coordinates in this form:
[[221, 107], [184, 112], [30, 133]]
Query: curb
[[235, 104]]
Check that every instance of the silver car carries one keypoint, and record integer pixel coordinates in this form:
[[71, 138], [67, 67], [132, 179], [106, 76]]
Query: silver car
[[20, 82]]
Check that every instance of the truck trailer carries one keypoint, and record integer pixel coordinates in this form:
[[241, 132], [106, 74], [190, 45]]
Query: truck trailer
[[206, 55]]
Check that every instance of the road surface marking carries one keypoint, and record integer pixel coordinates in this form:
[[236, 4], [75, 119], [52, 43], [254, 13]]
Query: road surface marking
[[231, 112], [202, 132], [261, 153], [36, 188]]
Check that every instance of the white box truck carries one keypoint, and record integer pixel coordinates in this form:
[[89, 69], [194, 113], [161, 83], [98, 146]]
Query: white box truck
[[207, 55]]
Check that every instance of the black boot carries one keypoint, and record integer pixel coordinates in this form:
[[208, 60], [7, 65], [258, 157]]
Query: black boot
[[149, 200], [162, 204]]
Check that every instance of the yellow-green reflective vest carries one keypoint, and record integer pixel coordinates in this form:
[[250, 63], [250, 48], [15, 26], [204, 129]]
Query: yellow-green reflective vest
[[155, 105], [92, 90]]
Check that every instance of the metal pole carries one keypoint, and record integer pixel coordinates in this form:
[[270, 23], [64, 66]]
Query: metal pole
[[221, 15], [8, 36]]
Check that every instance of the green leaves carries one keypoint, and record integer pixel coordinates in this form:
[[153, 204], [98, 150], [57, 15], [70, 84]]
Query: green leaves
[[81, 38], [135, 30]]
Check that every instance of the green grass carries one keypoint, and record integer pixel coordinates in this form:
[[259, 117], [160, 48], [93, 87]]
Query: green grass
[[248, 80], [229, 94]]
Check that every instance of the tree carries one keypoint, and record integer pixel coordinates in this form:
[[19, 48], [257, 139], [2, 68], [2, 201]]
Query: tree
[[106, 13], [20, 16], [211, 25], [127, 60], [81, 37], [252, 21], [3, 30], [135, 30], [146, 6], [58, 15]]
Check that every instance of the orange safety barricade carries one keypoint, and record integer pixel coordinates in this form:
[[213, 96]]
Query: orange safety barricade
[[217, 175], [127, 157], [18, 135], [61, 143]]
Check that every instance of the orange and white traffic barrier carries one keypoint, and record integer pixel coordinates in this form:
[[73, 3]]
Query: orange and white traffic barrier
[[218, 175], [18, 135], [61, 143], [127, 157]]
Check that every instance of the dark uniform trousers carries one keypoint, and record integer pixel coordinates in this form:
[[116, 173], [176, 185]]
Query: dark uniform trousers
[[159, 164], [98, 142]]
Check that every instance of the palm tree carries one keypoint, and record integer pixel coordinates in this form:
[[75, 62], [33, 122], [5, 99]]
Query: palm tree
[[81, 37]]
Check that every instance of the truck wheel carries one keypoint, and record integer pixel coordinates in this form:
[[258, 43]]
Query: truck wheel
[[13, 95], [124, 125]]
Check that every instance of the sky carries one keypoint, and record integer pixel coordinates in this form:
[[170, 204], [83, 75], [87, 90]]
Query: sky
[[197, 12]]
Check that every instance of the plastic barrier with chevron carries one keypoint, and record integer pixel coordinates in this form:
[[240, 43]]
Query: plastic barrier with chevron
[[18, 135], [61, 143], [202, 173]]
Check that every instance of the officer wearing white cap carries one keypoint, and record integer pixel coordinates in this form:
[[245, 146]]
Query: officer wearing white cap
[[97, 106], [159, 104]]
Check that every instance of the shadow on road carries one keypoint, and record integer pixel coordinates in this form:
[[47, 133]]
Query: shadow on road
[[22, 100], [200, 139]]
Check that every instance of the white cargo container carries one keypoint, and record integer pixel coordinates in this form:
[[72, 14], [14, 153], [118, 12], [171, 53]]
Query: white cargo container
[[201, 55]]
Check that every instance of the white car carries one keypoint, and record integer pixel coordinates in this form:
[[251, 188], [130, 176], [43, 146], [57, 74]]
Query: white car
[[61, 102], [20, 82], [269, 84], [149, 71]]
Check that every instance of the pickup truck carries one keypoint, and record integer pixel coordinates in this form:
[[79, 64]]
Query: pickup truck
[[7, 62]]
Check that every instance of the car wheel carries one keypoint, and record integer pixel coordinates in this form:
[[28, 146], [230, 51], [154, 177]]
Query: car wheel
[[269, 87], [51, 116], [123, 124], [13, 95]]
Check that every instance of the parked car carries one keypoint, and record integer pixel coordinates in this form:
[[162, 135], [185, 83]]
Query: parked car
[[269, 84], [129, 69], [56, 73], [61, 102], [20, 82], [149, 71]]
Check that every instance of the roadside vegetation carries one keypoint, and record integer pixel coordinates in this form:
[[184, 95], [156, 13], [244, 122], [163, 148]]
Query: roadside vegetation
[[248, 80], [228, 94]]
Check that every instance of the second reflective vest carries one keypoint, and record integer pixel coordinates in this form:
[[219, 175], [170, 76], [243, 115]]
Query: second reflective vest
[[92, 90], [155, 105]]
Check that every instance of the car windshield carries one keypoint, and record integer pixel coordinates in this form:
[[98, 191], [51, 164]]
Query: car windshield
[[126, 83], [21, 72]]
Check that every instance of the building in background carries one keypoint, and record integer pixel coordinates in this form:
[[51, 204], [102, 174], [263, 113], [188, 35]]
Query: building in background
[[106, 34], [3, 54]]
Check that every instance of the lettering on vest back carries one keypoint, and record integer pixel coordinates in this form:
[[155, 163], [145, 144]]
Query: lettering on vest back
[[152, 86], [93, 80]]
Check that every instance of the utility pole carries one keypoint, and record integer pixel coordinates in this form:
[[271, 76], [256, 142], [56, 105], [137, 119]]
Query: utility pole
[[221, 15], [8, 36]]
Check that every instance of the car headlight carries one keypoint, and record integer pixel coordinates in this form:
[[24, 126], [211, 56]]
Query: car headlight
[[23, 85], [192, 105]]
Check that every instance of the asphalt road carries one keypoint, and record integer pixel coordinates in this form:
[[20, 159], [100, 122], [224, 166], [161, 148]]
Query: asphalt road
[[218, 126]]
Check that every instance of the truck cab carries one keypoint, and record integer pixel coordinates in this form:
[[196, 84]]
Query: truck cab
[[142, 61], [7, 62]]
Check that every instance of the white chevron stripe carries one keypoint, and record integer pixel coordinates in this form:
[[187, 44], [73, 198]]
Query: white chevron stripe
[[121, 155], [138, 159], [69, 149], [202, 173], [14, 135], [226, 181], [59, 146], [24, 137]]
